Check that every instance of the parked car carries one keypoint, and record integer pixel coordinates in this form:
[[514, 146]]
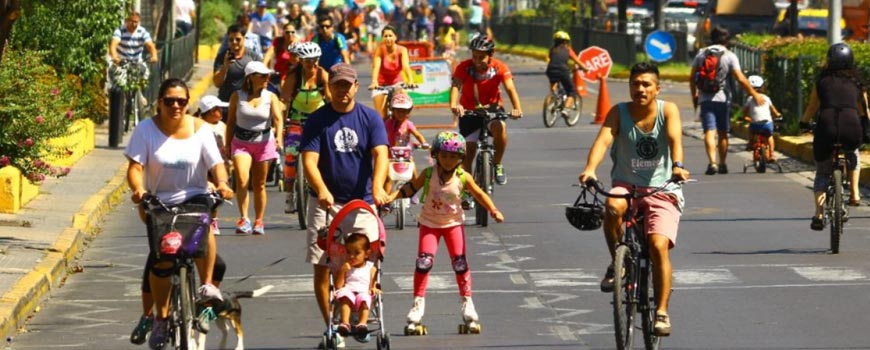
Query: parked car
[[811, 22], [683, 16], [738, 16], [637, 17]]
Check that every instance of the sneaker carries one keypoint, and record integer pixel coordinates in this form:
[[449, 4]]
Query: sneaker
[[607, 282], [243, 226], [204, 319], [158, 333], [723, 168], [215, 230], [500, 177], [467, 201], [663, 325], [208, 291], [817, 223], [259, 228], [712, 169], [141, 330]]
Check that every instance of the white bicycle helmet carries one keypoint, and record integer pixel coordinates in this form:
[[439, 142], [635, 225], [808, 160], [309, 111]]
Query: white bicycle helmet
[[308, 50], [756, 81]]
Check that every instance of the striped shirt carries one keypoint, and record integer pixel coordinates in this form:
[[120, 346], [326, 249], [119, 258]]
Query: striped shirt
[[132, 44]]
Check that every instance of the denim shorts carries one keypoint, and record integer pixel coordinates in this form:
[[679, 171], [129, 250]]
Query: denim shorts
[[715, 116]]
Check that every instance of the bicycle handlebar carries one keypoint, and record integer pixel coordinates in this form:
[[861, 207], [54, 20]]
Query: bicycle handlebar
[[394, 87], [152, 201], [599, 189], [488, 115]]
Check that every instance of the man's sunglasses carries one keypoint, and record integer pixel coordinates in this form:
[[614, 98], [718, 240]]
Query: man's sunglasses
[[236, 40], [171, 101]]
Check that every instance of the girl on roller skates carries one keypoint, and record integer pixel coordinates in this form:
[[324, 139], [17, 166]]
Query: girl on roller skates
[[442, 216]]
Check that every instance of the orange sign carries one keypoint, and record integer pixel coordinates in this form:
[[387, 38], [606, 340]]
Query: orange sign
[[598, 61], [418, 49]]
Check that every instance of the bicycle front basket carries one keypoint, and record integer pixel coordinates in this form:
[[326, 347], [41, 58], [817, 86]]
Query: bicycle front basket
[[583, 215]]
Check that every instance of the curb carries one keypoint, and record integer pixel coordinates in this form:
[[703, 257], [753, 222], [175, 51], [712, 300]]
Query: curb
[[25, 296]]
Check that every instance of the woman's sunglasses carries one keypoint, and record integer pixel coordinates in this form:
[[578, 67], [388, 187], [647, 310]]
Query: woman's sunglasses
[[171, 101]]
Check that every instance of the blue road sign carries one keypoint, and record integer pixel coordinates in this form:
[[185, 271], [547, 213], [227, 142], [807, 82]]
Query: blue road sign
[[660, 46]]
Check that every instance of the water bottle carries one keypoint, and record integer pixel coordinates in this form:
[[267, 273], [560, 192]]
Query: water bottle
[[190, 247]]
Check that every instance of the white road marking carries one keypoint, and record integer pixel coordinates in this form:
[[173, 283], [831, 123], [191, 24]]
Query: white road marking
[[436, 282], [703, 276], [290, 284], [829, 274], [517, 278], [563, 279]]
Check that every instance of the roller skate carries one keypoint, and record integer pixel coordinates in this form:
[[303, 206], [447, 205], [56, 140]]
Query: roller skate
[[469, 316], [415, 316]]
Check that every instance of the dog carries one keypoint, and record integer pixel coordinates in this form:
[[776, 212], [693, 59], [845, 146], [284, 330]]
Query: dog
[[229, 314]]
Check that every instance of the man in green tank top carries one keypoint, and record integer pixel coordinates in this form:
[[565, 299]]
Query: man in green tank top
[[646, 135]]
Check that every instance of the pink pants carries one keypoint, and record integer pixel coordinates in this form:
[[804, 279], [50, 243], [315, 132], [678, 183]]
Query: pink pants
[[454, 238]]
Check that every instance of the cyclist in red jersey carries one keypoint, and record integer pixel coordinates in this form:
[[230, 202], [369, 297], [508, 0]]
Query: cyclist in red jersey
[[475, 85]]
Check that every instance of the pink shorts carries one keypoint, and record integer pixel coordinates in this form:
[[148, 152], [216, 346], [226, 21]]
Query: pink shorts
[[662, 214], [356, 299], [259, 151]]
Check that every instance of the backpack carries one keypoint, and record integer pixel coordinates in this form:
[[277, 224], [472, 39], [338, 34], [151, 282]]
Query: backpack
[[712, 72], [427, 174]]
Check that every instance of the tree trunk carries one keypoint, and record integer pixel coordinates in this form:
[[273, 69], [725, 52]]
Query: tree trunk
[[10, 10]]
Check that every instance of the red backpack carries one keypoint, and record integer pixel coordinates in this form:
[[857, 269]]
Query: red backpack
[[712, 72]]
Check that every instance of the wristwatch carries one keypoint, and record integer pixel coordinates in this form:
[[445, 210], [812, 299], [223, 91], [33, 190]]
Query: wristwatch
[[679, 165]]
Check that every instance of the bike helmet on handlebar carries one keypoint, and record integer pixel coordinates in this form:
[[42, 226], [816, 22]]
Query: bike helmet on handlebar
[[481, 42], [308, 50], [583, 215], [840, 56], [561, 35], [448, 141]]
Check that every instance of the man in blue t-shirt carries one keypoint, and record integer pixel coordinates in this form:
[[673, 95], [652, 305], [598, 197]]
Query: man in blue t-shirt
[[333, 45], [344, 150]]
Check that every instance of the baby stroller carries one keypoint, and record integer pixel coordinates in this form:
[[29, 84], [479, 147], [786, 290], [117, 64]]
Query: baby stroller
[[332, 243]]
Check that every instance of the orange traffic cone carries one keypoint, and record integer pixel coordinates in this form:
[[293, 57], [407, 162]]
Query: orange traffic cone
[[603, 101], [579, 84]]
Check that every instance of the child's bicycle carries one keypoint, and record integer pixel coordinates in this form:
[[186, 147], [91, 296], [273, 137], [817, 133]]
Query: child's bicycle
[[484, 166], [179, 233], [401, 171], [554, 106], [761, 153]]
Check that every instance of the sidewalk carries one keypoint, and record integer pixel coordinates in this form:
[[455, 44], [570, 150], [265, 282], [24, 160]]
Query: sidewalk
[[40, 243]]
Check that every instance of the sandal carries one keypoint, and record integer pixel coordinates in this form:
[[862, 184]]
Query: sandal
[[854, 202], [343, 329], [817, 224], [361, 333]]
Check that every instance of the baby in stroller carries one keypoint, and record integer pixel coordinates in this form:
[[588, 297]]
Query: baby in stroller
[[355, 286]]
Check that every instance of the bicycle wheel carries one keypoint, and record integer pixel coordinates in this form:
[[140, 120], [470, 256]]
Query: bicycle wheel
[[837, 210], [623, 303], [187, 298], [550, 110], [400, 213], [762, 159], [575, 112], [484, 179], [648, 308], [301, 194]]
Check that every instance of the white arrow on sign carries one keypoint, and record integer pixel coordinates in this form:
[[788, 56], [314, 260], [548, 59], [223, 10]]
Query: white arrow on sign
[[664, 47]]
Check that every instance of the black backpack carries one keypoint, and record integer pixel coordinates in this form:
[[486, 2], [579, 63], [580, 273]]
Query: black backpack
[[711, 72]]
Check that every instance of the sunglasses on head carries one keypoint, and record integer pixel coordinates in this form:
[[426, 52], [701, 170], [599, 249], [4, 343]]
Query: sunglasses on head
[[171, 101]]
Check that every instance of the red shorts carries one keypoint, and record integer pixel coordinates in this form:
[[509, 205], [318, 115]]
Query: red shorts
[[662, 214]]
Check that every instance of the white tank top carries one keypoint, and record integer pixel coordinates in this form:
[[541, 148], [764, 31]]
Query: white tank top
[[254, 119], [358, 279]]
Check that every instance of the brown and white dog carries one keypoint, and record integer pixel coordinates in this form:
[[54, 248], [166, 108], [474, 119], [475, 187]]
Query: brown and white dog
[[229, 314]]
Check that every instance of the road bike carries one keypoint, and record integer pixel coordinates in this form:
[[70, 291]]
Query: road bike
[[554, 106], [180, 234], [484, 166], [761, 154], [634, 291], [130, 76], [835, 207]]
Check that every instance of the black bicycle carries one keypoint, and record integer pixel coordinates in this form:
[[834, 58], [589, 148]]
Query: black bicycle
[[130, 76], [179, 233], [554, 106], [484, 166], [634, 291], [835, 206]]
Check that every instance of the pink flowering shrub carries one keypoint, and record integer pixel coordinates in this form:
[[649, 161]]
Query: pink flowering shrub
[[35, 105]]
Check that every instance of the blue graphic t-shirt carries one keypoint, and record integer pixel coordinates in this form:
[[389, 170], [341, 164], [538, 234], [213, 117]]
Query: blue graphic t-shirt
[[344, 143], [330, 50]]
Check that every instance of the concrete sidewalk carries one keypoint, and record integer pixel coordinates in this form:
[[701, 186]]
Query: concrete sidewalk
[[39, 244]]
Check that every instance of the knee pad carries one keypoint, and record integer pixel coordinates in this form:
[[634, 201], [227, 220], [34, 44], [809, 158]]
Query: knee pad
[[162, 272], [460, 264], [425, 262]]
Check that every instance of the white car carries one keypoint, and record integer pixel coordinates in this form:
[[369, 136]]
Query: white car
[[683, 15]]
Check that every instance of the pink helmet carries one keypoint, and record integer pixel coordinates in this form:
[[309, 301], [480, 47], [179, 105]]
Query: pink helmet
[[447, 20], [401, 100]]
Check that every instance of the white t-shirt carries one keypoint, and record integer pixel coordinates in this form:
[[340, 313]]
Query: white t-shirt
[[729, 59], [759, 113], [263, 26], [182, 10], [175, 169]]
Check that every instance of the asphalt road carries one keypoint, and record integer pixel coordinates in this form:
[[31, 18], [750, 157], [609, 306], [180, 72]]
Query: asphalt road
[[748, 271]]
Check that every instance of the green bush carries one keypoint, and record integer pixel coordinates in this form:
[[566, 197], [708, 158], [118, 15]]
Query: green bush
[[35, 105], [216, 16]]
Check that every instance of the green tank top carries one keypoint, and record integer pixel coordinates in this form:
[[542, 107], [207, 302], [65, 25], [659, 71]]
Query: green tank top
[[643, 158], [306, 101]]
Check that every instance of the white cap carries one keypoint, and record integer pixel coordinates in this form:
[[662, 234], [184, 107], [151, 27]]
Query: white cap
[[209, 102], [256, 67], [281, 5]]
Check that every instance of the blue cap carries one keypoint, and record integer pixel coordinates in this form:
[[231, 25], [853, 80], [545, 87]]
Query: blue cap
[[261, 3]]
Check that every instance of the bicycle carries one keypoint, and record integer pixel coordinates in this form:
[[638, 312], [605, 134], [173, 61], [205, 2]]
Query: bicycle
[[401, 171], [130, 76], [484, 166], [835, 207], [554, 106], [300, 185], [634, 292], [761, 154], [186, 228]]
